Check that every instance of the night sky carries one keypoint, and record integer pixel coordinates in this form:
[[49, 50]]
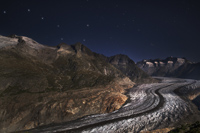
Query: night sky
[[141, 29]]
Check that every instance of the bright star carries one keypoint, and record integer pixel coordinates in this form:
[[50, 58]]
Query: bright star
[[88, 25], [4, 12], [42, 18], [29, 10]]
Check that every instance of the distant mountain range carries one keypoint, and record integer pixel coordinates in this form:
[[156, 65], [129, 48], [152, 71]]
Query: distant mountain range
[[40, 85], [171, 67]]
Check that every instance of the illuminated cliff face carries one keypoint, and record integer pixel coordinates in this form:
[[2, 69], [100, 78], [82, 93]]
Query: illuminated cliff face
[[171, 67]]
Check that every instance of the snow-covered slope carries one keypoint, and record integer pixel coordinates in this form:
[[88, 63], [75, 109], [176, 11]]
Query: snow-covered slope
[[7, 41], [33, 44], [19, 40]]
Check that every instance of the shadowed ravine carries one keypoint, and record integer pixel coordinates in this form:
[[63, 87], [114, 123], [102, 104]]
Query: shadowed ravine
[[145, 100]]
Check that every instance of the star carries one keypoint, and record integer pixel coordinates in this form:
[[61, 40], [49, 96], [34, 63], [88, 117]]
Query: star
[[42, 18], [4, 12], [61, 39], [88, 25], [58, 26], [84, 40], [29, 10]]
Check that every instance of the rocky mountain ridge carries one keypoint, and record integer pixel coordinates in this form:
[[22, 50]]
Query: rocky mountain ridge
[[171, 67], [129, 68], [42, 85]]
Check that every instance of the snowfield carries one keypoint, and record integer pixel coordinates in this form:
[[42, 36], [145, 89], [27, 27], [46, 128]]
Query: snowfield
[[151, 106]]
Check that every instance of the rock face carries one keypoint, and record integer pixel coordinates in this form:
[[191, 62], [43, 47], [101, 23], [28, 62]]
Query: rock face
[[42, 85], [129, 68], [171, 67]]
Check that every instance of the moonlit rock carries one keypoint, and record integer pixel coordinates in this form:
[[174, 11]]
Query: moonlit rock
[[7, 41], [161, 63], [32, 43], [170, 62], [150, 64], [156, 63], [181, 60], [14, 41]]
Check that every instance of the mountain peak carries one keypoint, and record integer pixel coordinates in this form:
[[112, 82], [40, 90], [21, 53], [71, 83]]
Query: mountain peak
[[165, 61], [170, 67], [15, 40], [63, 45], [120, 59], [171, 58], [13, 36], [30, 42], [81, 49], [129, 68]]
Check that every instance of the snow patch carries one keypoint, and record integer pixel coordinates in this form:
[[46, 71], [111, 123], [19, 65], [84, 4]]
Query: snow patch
[[170, 62], [32, 43], [149, 64], [161, 63], [156, 63]]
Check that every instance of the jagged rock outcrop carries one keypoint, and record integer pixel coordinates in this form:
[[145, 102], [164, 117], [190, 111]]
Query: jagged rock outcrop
[[42, 85], [129, 68], [171, 67]]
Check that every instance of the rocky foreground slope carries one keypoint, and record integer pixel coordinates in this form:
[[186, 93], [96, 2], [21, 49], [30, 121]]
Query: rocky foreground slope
[[42, 85], [171, 67]]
